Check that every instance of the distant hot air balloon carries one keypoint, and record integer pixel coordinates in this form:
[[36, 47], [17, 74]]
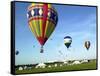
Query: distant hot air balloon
[[17, 52], [42, 19], [87, 44], [60, 52], [67, 41]]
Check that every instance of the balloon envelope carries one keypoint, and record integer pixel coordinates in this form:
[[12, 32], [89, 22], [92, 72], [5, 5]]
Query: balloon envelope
[[67, 41], [87, 44], [42, 19], [17, 52]]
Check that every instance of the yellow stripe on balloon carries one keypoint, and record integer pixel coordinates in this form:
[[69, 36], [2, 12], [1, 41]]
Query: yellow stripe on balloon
[[41, 31], [33, 4], [36, 28], [40, 4], [47, 24], [32, 28], [51, 29], [49, 5]]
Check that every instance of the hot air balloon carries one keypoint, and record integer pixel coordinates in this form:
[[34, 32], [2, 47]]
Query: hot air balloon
[[67, 41], [42, 19], [87, 45], [60, 52], [17, 52]]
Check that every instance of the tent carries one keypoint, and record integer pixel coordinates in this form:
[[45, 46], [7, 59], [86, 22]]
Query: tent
[[65, 62], [55, 65], [60, 64], [49, 66], [84, 61], [25, 67], [76, 62], [20, 68], [41, 65]]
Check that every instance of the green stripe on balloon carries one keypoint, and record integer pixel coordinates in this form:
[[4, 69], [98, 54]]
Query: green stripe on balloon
[[34, 30], [48, 29], [38, 27], [51, 29]]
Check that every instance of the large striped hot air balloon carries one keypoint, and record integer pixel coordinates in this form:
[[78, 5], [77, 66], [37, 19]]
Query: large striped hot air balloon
[[87, 44], [42, 19]]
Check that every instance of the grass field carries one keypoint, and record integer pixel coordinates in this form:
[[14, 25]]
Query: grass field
[[84, 66]]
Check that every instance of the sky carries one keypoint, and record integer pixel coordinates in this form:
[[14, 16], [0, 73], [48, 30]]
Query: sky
[[78, 22]]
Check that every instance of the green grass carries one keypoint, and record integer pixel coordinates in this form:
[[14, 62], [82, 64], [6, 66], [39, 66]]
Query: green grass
[[85, 66]]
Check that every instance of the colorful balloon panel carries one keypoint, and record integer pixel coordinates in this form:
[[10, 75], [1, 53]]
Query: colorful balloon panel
[[42, 19]]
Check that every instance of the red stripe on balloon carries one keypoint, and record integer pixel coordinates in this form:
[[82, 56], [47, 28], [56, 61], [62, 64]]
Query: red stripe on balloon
[[45, 12], [42, 40]]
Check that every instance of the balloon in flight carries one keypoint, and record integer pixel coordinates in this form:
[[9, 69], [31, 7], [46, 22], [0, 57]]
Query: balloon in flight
[[17, 52], [67, 41], [42, 20], [87, 44]]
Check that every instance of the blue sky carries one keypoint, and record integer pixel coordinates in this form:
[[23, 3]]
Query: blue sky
[[79, 22]]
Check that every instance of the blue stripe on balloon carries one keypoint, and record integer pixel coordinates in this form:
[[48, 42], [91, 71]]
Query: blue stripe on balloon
[[67, 37], [36, 12], [29, 13]]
